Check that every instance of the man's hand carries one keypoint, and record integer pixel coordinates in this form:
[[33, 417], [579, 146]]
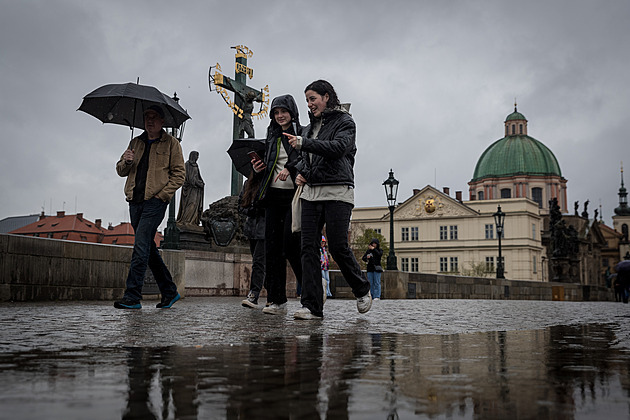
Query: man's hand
[[292, 139], [300, 180], [129, 155]]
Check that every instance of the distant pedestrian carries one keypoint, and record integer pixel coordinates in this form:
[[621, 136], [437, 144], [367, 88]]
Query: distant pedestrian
[[276, 193], [374, 269], [254, 230], [325, 260], [328, 148], [154, 166]]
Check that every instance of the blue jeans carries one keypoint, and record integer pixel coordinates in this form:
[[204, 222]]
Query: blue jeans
[[145, 219], [375, 283], [326, 276], [336, 216]]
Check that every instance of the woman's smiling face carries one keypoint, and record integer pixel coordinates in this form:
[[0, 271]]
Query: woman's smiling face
[[316, 102]]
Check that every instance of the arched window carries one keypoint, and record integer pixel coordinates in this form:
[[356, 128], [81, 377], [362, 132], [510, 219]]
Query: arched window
[[537, 196], [480, 195], [513, 128], [520, 128], [506, 193]]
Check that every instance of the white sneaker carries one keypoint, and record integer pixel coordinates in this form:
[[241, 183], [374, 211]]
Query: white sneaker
[[375, 299], [364, 303], [324, 286], [275, 309], [305, 313]]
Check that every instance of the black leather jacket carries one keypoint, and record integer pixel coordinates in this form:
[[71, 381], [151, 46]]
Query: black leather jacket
[[328, 159]]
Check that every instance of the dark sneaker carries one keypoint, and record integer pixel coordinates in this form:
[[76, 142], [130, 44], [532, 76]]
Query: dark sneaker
[[168, 302], [127, 304], [251, 301]]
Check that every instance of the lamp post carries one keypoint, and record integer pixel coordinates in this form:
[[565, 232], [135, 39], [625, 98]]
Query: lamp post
[[391, 190], [499, 218], [171, 232]]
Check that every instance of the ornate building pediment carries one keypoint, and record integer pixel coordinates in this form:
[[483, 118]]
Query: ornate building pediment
[[430, 203]]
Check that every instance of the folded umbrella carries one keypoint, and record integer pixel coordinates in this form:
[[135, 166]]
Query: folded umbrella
[[125, 104], [239, 150]]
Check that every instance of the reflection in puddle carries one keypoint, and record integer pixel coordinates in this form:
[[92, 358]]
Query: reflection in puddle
[[554, 373]]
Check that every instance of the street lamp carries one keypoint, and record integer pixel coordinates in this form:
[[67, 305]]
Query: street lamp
[[171, 233], [499, 218], [391, 190]]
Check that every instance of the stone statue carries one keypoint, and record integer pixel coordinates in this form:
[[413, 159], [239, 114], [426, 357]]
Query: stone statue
[[191, 201], [246, 126], [596, 214], [576, 205], [585, 212]]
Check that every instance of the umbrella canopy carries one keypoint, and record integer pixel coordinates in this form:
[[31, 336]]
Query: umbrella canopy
[[124, 104], [623, 266], [239, 150]]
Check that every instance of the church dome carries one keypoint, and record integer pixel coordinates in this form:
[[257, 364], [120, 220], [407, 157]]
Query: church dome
[[516, 154]]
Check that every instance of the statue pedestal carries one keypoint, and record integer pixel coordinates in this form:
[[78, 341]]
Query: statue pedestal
[[194, 238], [561, 267]]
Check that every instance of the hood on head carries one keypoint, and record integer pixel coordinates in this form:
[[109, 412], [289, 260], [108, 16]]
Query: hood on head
[[286, 102], [375, 241]]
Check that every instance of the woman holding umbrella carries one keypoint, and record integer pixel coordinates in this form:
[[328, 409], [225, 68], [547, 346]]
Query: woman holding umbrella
[[326, 172], [276, 193]]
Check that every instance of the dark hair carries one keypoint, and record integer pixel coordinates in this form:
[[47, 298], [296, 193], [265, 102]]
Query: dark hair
[[250, 189], [323, 87]]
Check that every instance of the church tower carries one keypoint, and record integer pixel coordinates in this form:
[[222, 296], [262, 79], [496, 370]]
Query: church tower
[[621, 219], [517, 166]]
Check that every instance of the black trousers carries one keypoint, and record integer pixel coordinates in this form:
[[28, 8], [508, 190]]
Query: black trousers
[[336, 216], [281, 245]]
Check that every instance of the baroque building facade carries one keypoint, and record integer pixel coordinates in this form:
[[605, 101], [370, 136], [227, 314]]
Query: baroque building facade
[[436, 233]]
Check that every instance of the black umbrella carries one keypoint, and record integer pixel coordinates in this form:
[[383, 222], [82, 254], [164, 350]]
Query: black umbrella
[[124, 104], [623, 266], [239, 150]]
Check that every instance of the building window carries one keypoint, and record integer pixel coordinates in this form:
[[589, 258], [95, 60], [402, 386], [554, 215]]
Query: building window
[[414, 233], [404, 264], [65, 236], [537, 196], [480, 195], [36, 235], [453, 233], [534, 268], [533, 230], [404, 232], [50, 234], [506, 193], [83, 238], [443, 233], [454, 265], [414, 265], [443, 264], [114, 241], [490, 231], [513, 128], [489, 264], [378, 230], [520, 128], [605, 262]]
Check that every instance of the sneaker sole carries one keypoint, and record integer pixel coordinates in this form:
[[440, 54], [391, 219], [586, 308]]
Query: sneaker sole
[[172, 302], [307, 317], [248, 304], [121, 306]]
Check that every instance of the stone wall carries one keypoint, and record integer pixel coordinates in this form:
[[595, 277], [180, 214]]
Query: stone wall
[[403, 285], [52, 269]]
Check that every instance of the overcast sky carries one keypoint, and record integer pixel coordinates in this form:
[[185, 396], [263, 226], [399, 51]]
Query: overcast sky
[[430, 83]]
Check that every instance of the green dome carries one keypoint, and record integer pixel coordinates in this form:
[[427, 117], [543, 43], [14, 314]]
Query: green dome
[[516, 155], [515, 116]]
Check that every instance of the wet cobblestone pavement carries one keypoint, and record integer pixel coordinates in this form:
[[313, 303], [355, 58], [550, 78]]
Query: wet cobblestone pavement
[[210, 358]]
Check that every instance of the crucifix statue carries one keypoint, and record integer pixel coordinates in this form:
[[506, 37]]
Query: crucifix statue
[[243, 104]]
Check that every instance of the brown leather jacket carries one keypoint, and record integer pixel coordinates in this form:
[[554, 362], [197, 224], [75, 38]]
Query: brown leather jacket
[[166, 172]]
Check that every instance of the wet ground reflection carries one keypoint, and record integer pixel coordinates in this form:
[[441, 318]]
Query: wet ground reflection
[[558, 372]]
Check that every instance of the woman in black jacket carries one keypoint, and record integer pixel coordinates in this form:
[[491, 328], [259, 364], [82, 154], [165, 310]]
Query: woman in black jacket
[[374, 269], [325, 169], [276, 194]]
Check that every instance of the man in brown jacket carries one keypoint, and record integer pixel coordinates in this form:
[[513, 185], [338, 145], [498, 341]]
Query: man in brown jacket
[[154, 166]]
